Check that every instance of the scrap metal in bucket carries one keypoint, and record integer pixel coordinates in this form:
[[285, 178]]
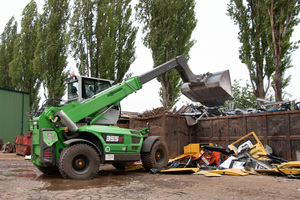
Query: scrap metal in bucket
[[213, 90]]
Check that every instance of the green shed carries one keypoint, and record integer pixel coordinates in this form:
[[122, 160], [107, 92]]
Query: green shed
[[13, 119]]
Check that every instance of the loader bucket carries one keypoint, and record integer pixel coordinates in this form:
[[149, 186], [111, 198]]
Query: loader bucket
[[213, 90]]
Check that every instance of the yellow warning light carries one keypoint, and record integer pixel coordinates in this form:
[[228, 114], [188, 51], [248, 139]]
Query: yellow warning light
[[73, 74]]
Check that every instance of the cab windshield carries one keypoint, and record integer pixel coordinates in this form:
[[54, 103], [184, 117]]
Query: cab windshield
[[90, 87], [84, 87]]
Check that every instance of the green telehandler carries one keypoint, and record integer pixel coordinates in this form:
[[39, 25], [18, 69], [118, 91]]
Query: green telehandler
[[74, 138]]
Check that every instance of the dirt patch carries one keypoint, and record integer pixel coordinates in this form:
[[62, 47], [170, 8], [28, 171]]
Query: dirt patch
[[19, 179]]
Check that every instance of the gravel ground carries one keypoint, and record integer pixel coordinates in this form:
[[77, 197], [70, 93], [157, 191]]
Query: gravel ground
[[19, 179]]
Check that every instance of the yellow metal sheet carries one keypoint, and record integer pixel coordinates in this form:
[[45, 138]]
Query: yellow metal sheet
[[267, 171], [191, 149], [192, 170], [201, 172], [208, 174], [289, 164], [293, 171], [212, 175], [290, 171], [134, 167], [235, 172], [179, 157], [250, 173]]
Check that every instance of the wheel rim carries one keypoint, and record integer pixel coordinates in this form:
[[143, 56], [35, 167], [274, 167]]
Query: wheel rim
[[80, 163], [159, 156]]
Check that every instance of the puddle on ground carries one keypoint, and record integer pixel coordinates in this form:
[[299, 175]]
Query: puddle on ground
[[105, 178]]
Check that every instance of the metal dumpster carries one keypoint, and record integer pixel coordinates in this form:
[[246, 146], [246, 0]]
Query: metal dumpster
[[22, 145]]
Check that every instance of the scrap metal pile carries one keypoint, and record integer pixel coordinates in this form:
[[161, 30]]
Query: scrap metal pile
[[244, 159], [193, 113]]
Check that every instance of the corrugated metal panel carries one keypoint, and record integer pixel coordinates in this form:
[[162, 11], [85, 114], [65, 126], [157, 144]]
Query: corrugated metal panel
[[26, 110], [13, 120], [279, 130]]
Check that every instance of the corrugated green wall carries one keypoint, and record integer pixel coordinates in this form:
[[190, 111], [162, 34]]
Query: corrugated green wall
[[13, 120]]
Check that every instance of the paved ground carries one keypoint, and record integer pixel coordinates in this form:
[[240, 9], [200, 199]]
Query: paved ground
[[19, 179]]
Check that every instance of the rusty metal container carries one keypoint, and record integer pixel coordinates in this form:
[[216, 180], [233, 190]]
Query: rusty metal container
[[279, 130], [22, 145]]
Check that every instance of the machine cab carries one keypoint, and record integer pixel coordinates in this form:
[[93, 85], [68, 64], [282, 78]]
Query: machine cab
[[81, 88]]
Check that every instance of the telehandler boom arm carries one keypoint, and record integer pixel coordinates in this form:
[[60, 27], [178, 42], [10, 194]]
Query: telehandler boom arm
[[208, 89]]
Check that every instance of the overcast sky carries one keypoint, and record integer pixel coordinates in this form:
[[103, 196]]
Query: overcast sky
[[216, 49]]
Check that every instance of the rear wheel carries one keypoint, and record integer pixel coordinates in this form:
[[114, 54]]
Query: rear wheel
[[79, 161], [157, 158]]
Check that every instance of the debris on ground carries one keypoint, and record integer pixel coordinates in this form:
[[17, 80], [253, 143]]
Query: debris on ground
[[8, 148], [241, 158]]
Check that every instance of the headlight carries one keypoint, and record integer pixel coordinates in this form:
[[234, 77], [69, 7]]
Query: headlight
[[35, 123]]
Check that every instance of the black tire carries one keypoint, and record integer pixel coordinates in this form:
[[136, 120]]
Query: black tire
[[48, 170], [157, 158], [122, 165], [79, 161]]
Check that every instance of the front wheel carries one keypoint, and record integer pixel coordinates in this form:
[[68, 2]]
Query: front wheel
[[79, 161], [158, 156]]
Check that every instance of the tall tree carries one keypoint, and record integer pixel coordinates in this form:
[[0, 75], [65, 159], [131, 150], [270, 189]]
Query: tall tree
[[103, 37], [82, 35], [283, 17], [168, 26], [253, 35], [7, 42], [265, 31], [51, 53], [22, 71]]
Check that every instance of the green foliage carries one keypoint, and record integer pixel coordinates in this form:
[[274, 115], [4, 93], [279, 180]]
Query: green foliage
[[168, 26], [51, 53], [243, 96], [255, 39], [22, 70], [103, 38], [283, 16], [7, 43], [82, 25], [265, 31]]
